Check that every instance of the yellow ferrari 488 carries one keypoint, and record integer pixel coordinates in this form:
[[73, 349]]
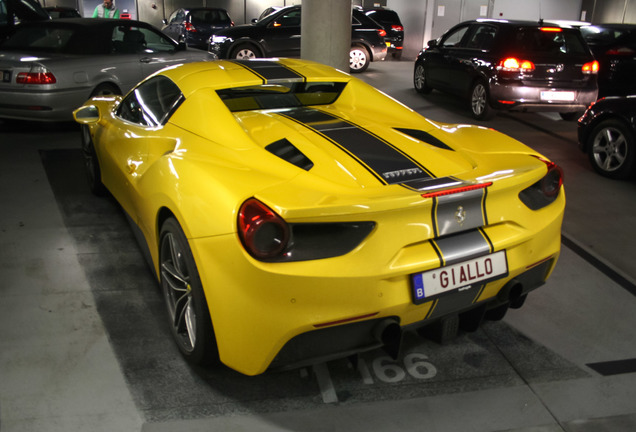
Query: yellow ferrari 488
[[294, 214]]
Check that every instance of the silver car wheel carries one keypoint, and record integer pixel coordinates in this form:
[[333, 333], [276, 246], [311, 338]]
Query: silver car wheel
[[358, 59], [609, 149], [479, 99], [245, 54]]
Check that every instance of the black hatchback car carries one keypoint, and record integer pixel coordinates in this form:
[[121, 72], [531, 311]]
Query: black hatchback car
[[278, 35], [390, 20], [194, 26], [607, 133], [614, 46], [511, 65]]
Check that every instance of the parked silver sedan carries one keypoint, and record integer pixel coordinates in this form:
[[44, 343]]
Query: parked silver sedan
[[48, 69]]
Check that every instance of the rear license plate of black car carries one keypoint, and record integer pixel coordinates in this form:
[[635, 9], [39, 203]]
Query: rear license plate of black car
[[6, 76]]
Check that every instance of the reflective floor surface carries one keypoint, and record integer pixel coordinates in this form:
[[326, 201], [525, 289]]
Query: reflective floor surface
[[84, 342]]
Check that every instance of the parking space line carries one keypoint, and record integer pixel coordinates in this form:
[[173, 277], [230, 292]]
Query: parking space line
[[600, 264], [327, 390]]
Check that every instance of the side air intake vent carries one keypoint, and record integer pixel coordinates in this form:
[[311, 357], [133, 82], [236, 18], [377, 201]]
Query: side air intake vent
[[286, 151], [424, 137]]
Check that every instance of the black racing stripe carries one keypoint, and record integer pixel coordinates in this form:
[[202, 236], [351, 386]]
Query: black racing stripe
[[270, 71], [434, 217], [492, 246], [483, 207], [426, 137], [438, 252], [428, 184], [386, 162], [464, 246], [460, 212]]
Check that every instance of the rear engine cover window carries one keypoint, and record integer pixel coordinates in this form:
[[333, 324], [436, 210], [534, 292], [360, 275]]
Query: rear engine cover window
[[276, 96]]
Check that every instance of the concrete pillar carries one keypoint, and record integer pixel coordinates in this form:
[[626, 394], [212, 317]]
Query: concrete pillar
[[326, 32]]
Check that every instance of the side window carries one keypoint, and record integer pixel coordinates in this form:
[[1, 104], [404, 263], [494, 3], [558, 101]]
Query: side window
[[156, 42], [151, 103], [482, 38], [290, 19], [454, 38]]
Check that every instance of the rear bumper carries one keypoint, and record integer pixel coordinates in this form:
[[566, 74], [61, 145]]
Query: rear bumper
[[42, 105], [514, 96]]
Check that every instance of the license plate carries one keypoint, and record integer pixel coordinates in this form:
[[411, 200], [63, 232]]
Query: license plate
[[6, 76], [559, 96], [459, 276]]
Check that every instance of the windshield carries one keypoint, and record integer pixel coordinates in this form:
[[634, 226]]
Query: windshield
[[288, 95]]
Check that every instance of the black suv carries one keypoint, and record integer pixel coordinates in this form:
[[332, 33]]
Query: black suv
[[511, 65], [195, 26], [278, 35], [390, 20]]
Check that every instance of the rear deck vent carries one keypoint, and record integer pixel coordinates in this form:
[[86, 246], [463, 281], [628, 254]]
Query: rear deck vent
[[424, 137], [286, 151]]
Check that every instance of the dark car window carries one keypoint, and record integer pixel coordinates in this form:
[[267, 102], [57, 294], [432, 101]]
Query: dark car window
[[384, 16], [209, 16], [129, 40], [289, 19], [454, 38], [40, 38], [482, 37], [289, 95], [599, 35], [151, 103], [538, 41]]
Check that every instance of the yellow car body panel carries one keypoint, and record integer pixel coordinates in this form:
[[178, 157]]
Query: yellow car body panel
[[204, 162]]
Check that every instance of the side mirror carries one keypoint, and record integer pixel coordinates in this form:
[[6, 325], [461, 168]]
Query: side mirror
[[86, 114], [432, 43], [254, 20]]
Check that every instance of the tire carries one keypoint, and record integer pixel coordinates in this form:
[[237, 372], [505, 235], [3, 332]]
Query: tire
[[479, 101], [244, 51], [419, 79], [105, 89], [611, 149], [188, 312], [91, 163], [359, 59]]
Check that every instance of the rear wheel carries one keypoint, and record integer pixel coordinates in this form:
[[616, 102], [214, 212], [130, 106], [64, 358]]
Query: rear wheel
[[244, 52], [359, 59], [479, 104], [611, 150], [105, 89], [184, 297]]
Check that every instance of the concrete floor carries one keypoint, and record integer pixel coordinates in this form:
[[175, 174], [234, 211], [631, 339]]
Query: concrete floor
[[83, 346]]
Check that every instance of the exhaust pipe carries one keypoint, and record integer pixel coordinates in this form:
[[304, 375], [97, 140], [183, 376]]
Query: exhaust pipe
[[389, 332]]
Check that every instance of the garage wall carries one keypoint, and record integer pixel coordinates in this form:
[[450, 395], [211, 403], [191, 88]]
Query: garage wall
[[609, 11]]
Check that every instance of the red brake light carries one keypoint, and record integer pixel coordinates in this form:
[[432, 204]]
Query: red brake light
[[456, 190], [381, 32], [189, 27], [551, 183], [590, 67], [42, 77], [264, 234], [551, 29], [397, 27], [513, 64]]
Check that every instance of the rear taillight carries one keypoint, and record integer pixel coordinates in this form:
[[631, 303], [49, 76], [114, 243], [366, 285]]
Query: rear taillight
[[395, 27], [264, 234], [512, 64], [381, 32], [590, 67], [546, 190], [189, 27], [37, 75]]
